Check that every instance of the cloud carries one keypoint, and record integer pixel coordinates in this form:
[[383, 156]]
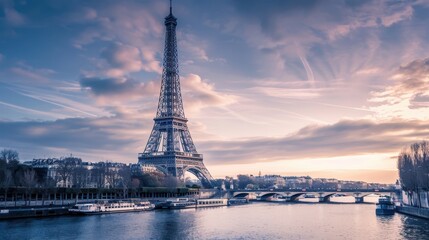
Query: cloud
[[368, 71], [122, 87], [200, 94], [419, 101], [345, 138], [117, 138], [122, 136], [273, 19], [407, 94], [282, 32], [197, 94], [396, 12], [123, 59], [41, 75], [13, 17], [29, 74], [33, 111], [136, 31]]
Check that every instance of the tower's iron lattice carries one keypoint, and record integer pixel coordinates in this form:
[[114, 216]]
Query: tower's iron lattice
[[170, 147]]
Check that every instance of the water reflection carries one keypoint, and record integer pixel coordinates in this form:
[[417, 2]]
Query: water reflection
[[253, 221], [412, 227], [169, 225]]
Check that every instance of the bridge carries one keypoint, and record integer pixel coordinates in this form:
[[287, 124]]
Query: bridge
[[291, 195]]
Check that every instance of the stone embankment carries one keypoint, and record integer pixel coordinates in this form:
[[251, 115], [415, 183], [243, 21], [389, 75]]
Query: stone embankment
[[414, 211], [33, 212]]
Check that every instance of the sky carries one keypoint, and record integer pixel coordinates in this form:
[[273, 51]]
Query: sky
[[320, 88]]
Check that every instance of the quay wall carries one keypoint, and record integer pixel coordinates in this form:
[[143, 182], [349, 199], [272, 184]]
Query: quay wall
[[414, 211], [33, 212], [416, 199]]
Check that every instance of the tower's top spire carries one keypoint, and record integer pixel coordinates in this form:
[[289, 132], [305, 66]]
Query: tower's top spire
[[170, 19]]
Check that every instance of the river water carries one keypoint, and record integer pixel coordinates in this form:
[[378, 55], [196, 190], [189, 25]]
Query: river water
[[252, 221]]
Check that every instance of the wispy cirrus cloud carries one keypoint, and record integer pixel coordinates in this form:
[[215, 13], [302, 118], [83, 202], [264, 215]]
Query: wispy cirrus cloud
[[35, 75], [34, 111]]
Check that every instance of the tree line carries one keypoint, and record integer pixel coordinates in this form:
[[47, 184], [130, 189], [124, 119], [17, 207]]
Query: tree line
[[71, 172]]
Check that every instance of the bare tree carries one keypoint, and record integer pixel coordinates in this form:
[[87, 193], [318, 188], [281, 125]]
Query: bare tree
[[80, 177], [6, 182], [111, 177], [9, 155], [98, 175], [29, 182], [65, 170], [125, 179]]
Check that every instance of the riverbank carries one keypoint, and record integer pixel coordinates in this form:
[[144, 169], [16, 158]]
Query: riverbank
[[414, 211]]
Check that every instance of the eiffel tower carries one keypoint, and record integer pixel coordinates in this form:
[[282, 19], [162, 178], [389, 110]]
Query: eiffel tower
[[170, 147]]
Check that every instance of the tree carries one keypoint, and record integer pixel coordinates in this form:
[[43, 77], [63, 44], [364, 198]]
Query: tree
[[152, 179], [111, 176], [8, 155], [29, 182], [6, 181], [65, 169], [79, 177], [98, 175], [125, 179], [413, 166], [171, 181], [244, 180]]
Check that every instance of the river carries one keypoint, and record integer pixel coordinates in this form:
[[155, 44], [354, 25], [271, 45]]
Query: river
[[252, 221]]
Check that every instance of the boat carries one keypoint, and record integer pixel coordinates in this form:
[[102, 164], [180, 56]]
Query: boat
[[212, 202], [385, 206], [237, 201], [111, 207], [309, 195], [180, 203], [276, 198]]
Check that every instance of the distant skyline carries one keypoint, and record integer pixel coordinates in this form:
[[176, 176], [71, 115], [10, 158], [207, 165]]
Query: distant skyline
[[320, 88]]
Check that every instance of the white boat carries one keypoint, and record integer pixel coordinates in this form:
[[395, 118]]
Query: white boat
[[309, 195], [182, 203], [276, 198], [111, 207], [213, 202]]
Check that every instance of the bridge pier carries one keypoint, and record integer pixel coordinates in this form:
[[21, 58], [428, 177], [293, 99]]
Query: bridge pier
[[358, 199], [322, 199]]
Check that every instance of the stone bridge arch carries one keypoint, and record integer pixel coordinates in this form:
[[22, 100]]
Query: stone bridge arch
[[240, 195], [270, 194]]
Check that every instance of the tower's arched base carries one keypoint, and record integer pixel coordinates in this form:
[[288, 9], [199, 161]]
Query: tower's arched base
[[177, 166]]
